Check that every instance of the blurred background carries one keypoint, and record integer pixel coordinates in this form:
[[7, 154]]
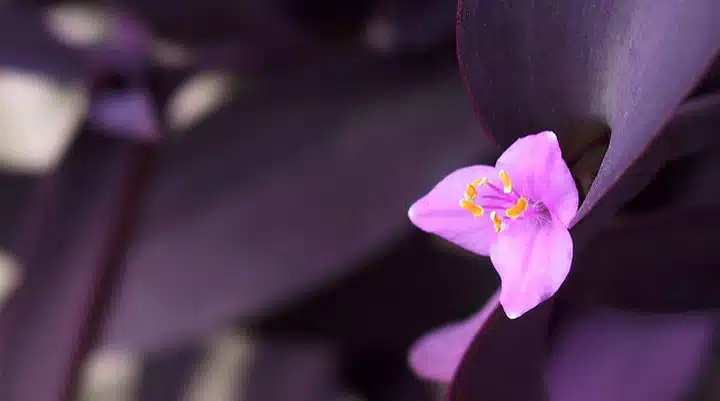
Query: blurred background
[[206, 200]]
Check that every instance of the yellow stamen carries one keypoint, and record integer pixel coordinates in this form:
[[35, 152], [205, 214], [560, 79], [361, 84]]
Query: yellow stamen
[[476, 210], [497, 221], [507, 183], [470, 192], [518, 209], [480, 182]]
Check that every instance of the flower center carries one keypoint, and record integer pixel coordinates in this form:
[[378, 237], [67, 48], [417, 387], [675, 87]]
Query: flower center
[[503, 203]]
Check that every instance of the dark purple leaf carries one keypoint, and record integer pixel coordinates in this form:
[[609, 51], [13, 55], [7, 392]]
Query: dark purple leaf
[[383, 375], [71, 251], [246, 33], [662, 262], [506, 359], [284, 190], [166, 374], [691, 130], [381, 306], [287, 371], [25, 45], [15, 191], [711, 82], [614, 356], [567, 66]]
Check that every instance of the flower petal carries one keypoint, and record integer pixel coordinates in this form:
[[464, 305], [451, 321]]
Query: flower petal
[[532, 263], [437, 355], [439, 212], [538, 171]]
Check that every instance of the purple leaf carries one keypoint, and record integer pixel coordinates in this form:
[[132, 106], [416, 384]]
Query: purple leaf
[[564, 66], [15, 191], [285, 371], [635, 264], [381, 306], [505, 360], [615, 356], [711, 82], [167, 373], [291, 186], [691, 130], [71, 251], [25, 45], [437, 355], [238, 33]]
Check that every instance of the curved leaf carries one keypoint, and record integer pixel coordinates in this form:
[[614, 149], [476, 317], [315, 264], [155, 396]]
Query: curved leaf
[[565, 66], [505, 360], [691, 130]]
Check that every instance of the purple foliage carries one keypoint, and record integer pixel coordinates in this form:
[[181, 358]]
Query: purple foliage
[[282, 212]]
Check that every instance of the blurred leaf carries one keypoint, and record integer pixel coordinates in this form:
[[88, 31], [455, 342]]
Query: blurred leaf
[[71, 252], [384, 309], [166, 374], [284, 190], [570, 65], [506, 359], [638, 262], [616, 356], [26, 46], [15, 192], [259, 24], [402, 26], [39, 117], [284, 370]]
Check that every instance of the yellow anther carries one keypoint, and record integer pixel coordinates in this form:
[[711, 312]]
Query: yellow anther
[[470, 192], [518, 209], [497, 221], [507, 183], [476, 210], [480, 182]]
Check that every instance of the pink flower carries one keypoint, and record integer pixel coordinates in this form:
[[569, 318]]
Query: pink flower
[[517, 212]]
